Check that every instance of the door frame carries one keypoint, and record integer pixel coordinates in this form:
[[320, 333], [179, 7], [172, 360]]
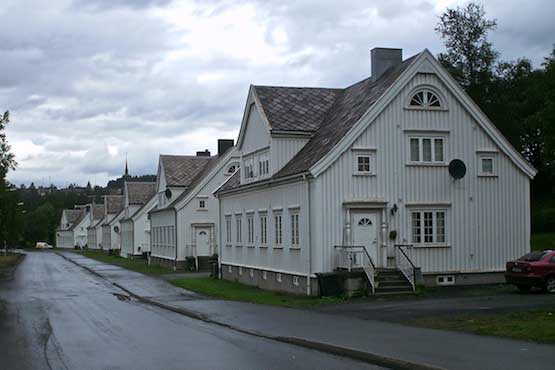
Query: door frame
[[378, 208], [211, 236]]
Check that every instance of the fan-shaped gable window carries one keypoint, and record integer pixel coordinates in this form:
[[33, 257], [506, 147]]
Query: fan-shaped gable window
[[425, 99], [365, 222]]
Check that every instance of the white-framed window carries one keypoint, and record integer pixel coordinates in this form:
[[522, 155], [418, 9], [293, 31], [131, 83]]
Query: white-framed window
[[427, 149], [295, 229], [487, 166], [263, 229], [263, 166], [240, 271], [249, 174], [250, 229], [230, 269], [265, 275], [424, 99], [238, 228], [428, 226], [202, 204], [279, 278], [363, 163], [228, 229], [278, 229], [251, 273], [295, 280]]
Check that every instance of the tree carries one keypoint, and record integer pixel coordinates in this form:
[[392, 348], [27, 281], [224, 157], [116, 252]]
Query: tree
[[7, 158], [9, 217], [470, 57]]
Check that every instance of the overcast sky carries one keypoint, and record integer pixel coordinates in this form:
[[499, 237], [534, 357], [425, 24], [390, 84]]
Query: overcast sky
[[89, 81]]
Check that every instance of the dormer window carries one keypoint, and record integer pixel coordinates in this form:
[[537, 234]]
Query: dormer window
[[425, 99]]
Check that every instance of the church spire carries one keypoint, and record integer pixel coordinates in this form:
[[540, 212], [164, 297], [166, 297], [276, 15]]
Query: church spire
[[126, 168]]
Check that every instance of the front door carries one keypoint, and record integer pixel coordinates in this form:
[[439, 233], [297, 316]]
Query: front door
[[365, 232], [203, 241]]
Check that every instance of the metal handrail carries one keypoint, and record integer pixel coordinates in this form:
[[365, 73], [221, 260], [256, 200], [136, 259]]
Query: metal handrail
[[411, 279], [369, 270]]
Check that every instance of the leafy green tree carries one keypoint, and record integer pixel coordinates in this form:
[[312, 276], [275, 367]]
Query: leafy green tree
[[470, 57], [9, 217]]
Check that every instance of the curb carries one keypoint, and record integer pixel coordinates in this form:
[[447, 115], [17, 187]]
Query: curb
[[367, 357]]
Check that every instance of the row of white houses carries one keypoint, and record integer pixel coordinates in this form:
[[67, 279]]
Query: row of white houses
[[398, 172]]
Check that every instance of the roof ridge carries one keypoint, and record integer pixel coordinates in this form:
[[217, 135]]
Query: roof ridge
[[298, 87]]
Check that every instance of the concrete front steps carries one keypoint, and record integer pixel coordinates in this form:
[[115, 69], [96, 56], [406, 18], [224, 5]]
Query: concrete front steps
[[205, 263], [391, 281]]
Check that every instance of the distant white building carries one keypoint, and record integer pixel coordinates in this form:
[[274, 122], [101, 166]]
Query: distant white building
[[113, 212], [185, 222], [68, 233], [94, 231], [135, 226], [399, 168]]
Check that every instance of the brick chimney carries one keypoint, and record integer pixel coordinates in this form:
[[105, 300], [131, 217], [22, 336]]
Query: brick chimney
[[205, 153], [384, 58]]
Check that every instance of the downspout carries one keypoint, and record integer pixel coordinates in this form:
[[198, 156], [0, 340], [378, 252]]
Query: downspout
[[219, 226], [175, 218], [308, 237]]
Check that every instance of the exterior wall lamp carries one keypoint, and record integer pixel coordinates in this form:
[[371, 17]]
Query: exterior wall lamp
[[394, 209]]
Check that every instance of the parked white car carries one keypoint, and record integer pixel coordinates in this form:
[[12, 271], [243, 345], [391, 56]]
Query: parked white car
[[43, 245]]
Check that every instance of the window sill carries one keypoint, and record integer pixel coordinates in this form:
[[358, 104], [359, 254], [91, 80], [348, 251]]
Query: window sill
[[364, 174], [264, 246], [202, 209], [229, 245], [238, 246], [427, 164], [487, 175], [295, 248], [278, 247], [250, 246], [422, 246]]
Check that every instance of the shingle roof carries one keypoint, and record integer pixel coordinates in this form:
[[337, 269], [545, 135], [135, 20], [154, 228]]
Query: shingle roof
[[180, 170], [348, 108], [231, 183], [114, 203], [72, 215], [140, 192], [295, 108], [345, 108], [97, 211], [82, 215]]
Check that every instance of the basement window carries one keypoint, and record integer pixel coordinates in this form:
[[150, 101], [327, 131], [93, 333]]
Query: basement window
[[295, 280], [279, 278]]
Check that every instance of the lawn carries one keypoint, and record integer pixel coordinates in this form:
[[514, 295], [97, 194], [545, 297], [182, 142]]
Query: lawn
[[9, 260], [535, 325], [543, 241], [139, 265], [238, 292]]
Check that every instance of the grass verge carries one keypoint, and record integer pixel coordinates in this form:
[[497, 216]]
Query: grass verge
[[532, 325], [9, 260], [138, 265], [238, 292], [542, 241]]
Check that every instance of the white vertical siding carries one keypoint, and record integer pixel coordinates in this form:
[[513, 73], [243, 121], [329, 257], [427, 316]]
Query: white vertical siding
[[290, 198], [282, 150], [488, 218]]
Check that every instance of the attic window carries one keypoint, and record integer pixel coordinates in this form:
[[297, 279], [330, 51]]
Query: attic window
[[425, 99]]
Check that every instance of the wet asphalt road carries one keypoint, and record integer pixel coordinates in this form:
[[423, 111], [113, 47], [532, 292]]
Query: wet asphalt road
[[55, 315]]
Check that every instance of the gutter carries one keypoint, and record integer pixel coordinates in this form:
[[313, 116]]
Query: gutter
[[265, 183], [176, 244]]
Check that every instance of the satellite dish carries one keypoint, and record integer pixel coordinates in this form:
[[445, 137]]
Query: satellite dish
[[168, 193], [457, 169]]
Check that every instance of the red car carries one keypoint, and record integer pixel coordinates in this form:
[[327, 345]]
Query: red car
[[535, 269]]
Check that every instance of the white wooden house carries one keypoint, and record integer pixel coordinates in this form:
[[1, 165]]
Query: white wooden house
[[113, 212], [400, 168], [65, 233], [96, 215], [135, 227], [80, 226], [187, 226]]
